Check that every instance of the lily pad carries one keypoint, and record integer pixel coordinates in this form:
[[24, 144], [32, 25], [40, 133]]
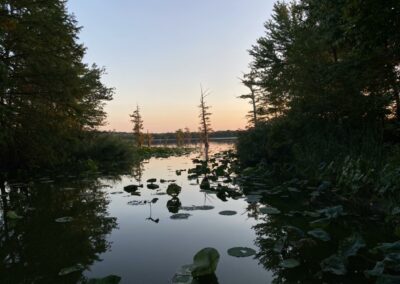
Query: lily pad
[[205, 262], [253, 198], [152, 186], [334, 264], [183, 275], [194, 208], [180, 216], [131, 188], [319, 234], [13, 215], [71, 269], [320, 223], [332, 212], [228, 213], [376, 271], [241, 252], [350, 246], [111, 279], [290, 263], [151, 180], [173, 189], [64, 219], [270, 210]]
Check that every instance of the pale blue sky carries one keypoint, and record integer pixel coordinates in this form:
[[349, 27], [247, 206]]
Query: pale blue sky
[[157, 52]]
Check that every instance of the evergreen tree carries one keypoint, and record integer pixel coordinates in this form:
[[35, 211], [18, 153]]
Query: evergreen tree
[[48, 96], [137, 121]]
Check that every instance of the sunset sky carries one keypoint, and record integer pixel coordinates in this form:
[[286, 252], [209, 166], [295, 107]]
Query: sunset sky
[[158, 52]]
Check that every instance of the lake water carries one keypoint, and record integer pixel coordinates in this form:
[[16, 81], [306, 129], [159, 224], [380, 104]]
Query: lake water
[[114, 232], [71, 228]]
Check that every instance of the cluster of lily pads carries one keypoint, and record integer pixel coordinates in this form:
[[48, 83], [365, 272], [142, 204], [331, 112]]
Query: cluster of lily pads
[[309, 228]]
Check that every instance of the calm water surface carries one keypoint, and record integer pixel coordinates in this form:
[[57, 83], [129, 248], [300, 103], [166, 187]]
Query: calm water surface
[[111, 233]]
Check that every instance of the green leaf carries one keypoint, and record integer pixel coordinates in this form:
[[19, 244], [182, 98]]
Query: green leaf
[[334, 264], [180, 216], [388, 279], [290, 263], [241, 252], [269, 210], [64, 219], [227, 213], [173, 189], [111, 279], [13, 215], [71, 269], [319, 234], [205, 262], [320, 223], [332, 212], [351, 245], [387, 247], [377, 270]]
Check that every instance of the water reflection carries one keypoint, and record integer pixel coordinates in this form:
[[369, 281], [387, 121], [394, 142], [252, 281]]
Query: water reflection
[[35, 248]]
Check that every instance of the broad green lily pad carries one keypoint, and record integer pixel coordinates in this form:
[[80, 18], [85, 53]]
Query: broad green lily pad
[[194, 207], [151, 180], [66, 219], [173, 189], [270, 210], [334, 264], [183, 275], [350, 246], [111, 279], [13, 215], [205, 262], [290, 263], [71, 269], [180, 216], [241, 252], [228, 213], [319, 234], [152, 186]]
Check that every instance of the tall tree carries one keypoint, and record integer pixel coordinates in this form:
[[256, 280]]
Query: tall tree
[[48, 96], [136, 119], [249, 80], [180, 137], [205, 121]]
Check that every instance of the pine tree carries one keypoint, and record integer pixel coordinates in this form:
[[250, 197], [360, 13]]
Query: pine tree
[[137, 121], [48, 96]]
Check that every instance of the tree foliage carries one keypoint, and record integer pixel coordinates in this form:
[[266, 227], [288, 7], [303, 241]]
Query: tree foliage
[[136, 119], [48, 96]]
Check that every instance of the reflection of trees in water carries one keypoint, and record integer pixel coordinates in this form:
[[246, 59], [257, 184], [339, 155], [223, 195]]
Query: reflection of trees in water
[[137, 171], [35, 248]]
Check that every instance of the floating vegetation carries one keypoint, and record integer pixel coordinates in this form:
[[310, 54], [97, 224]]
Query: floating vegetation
[[205, 262], [194, 208], [180, 216], [152, 186], [66, 219], [137, 202], [151, 180], [132, 187], [13, 215], [241, 252], [289, 263], [173, 189], [227, 213], [68, 270], [269, 210], [320, 234], [111, 279]]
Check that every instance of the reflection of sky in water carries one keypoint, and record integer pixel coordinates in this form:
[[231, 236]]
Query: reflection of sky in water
[[146, 252]]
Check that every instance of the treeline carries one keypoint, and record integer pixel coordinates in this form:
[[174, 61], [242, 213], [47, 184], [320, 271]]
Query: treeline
[[325, 86], [50, 101], [187, 135]]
